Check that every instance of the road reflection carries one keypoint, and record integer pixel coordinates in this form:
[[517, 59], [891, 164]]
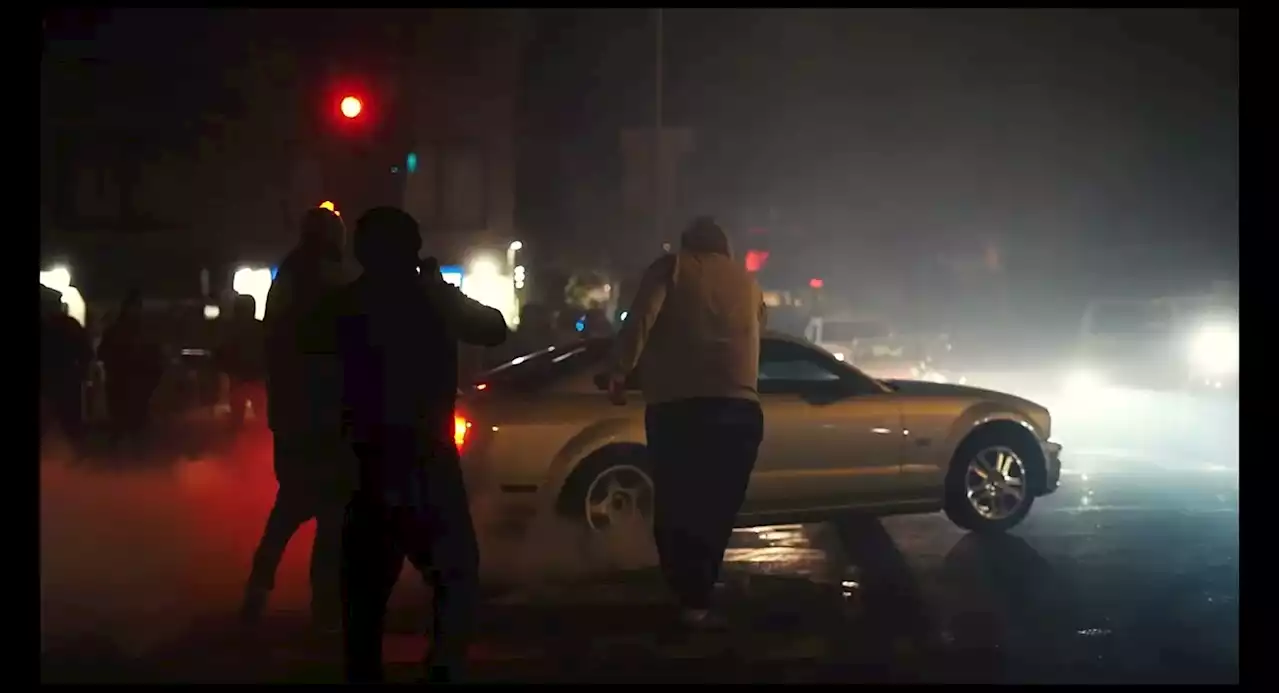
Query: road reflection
[[138, 552], [1124, 563]]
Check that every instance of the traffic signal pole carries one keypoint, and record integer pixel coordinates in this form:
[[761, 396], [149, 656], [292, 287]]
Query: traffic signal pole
[[658, 197], [362, 154]]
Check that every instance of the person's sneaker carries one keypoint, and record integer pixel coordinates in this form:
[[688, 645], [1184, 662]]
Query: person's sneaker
[[255, 602], [701, 620]]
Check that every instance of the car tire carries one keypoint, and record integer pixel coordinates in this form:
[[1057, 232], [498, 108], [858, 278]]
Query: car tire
[[632, 472], [956, 502]]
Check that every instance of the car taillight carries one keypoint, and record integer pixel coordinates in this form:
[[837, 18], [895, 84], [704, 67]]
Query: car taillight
[[460, 428]]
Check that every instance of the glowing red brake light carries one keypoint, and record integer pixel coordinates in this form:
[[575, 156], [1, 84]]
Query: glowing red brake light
[[460, 428]]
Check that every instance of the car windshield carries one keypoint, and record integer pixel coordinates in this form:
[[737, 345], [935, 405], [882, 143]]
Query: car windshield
[[1132, 317], [849, 330]]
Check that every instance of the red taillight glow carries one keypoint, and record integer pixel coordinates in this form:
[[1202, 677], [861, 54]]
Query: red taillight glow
[[460, 428]]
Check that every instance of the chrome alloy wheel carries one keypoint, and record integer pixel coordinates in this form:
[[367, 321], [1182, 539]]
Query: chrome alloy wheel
[[996, 483], [619, 496]]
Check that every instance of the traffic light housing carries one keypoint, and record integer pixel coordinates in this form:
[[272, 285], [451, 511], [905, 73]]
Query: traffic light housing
[[360, 141]]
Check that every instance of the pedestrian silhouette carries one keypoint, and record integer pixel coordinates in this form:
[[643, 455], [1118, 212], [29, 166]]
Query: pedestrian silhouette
[[66, 353], [240, 355], [303, 386], [396, 331], [698, 367], [132, 363]]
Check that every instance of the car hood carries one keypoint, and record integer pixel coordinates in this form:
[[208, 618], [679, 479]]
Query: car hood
[[922, 388]]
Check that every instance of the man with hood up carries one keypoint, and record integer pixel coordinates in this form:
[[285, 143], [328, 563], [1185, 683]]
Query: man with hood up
[[693, 331], [305, 419], [396, 331]]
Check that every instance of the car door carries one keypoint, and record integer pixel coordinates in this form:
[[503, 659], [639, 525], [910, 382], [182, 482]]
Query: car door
[[833, 436]]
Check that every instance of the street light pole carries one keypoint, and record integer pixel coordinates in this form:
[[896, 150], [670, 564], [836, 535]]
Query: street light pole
[[657, 131]]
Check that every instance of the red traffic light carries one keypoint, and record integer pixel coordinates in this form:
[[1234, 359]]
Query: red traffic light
[[350, 107], [815, 283]]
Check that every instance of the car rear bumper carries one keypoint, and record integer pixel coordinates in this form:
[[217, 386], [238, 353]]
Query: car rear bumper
[[1052, 467], [513, 509], [501, 510]]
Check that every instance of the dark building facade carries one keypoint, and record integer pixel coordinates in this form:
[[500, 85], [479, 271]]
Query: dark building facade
[[459, 88], [260, 139]]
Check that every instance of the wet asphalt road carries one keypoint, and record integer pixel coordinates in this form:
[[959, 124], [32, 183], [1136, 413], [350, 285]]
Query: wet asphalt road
[[1128, 574]]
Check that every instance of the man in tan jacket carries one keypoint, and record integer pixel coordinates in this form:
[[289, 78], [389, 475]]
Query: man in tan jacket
[[693, 331]]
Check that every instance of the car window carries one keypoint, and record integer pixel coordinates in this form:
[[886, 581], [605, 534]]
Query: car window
[[794, 369], [786, 367], [790, 368]]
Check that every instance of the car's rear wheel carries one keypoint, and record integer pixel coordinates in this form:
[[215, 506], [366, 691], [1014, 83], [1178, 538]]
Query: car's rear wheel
[[990, 483], [609, 492]]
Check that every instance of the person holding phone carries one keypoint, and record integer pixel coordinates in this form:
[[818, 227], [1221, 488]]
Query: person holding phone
[[395, 331]]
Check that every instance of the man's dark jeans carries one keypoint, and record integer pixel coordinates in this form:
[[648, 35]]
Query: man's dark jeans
[[128, 403], [307, 488], [435, 532], [703, 451], [65, 395]]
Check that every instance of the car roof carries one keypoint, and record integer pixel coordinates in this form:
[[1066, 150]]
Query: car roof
[[601, 344], [767, 334], [784, 337]]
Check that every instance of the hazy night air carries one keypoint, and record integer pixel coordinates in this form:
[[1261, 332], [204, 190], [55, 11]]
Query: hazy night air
[[989, 258]]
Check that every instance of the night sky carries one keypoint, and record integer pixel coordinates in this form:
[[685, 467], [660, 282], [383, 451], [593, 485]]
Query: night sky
[[1078, 142]]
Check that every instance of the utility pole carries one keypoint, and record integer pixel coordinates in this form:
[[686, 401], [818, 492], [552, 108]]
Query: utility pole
[[658, 198]]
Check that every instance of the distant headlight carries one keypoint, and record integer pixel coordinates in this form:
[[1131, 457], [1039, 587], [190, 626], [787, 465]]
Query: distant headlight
[[1215, 350], [1084, 380]]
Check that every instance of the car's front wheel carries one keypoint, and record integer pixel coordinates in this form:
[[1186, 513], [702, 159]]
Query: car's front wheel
[[990, 484]]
